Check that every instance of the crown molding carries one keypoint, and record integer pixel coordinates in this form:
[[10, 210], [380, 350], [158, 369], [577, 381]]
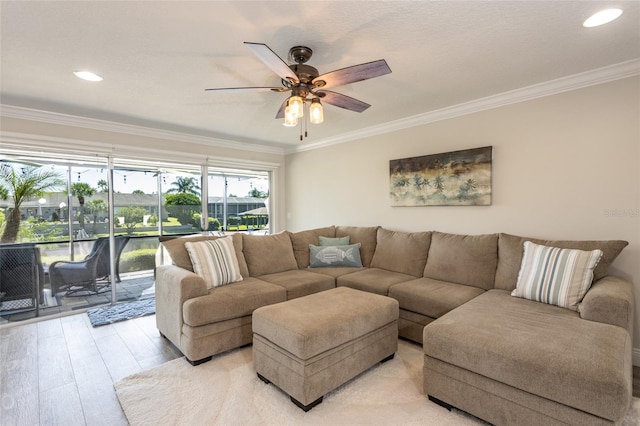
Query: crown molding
[[64, 146], [49, 117], [577, 81]]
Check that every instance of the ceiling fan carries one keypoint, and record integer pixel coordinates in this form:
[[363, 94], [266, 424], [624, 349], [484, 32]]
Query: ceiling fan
[[307, 85]]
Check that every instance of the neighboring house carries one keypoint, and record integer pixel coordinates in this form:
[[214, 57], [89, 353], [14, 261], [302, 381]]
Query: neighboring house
[[51, 206], [53, 201], [235, 206]]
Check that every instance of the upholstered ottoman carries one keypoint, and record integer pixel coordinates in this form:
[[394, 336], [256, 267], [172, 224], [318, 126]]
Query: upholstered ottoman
[[311, 345]]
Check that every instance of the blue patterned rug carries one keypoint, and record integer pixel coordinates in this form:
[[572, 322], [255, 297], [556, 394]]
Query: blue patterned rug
[[121, 312]]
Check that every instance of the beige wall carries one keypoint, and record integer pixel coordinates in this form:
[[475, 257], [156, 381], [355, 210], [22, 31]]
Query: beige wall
[[565, 167]]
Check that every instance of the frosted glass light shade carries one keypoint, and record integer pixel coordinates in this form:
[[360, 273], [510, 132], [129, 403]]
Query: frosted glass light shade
[[290, 117], [316, 113], [297, 105]]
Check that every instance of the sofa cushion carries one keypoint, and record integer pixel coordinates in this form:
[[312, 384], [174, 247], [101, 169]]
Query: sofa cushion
[[300, 282], [511, 249], [431, 297], [463, 259], [180, 257], [231, 301], [557, 276], [335, 272], [328, 256], [366, 236], [268, 254], [373, 280], [542, 349], [404, 252], [215, 261], [301, 240]]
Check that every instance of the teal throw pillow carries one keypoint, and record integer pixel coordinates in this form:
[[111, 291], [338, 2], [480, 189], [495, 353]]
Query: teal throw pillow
[[331, 256], [340, 241]]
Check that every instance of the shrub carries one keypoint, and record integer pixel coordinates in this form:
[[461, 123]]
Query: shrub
[[138, 260]]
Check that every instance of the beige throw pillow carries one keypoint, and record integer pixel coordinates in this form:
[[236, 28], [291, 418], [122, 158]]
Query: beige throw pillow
[[215, 261], [554, 275]]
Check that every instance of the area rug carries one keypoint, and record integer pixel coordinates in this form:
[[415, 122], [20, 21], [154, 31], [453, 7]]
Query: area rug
[[121, 312], [226, 391]]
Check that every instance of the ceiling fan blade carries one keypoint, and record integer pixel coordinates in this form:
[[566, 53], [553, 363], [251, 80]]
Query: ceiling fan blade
[[273, 61], [354, 73], [342, 101], [280, 113], [249, 89]]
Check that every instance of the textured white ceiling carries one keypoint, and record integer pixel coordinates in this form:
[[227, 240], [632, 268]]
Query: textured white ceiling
[[158, 57]]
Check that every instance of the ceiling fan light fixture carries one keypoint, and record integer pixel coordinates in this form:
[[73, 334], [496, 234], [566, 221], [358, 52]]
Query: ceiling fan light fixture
[[297, 106], [290, 117], [316, 112], [602, 17]]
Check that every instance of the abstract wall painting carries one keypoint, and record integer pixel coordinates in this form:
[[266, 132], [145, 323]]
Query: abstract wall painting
[[457, 178]]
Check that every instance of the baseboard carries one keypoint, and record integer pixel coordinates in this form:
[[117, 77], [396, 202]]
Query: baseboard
[[635, 356]]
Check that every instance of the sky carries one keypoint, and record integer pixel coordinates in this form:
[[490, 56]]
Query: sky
[[126, 181]]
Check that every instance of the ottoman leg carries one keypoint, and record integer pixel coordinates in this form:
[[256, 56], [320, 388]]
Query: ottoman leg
[[264, 379], [441, 403], [306, 408], [199, 361], [389, 358]]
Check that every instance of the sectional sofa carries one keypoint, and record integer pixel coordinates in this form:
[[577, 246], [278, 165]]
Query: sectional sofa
[[505, 359]]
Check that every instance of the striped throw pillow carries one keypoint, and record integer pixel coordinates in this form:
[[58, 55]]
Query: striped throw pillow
[[556, 276], [215, 261]]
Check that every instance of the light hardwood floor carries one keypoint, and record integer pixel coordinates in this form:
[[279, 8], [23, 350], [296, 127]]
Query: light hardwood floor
[[61, 371]]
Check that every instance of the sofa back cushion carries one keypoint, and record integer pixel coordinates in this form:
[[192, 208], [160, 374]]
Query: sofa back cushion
[[268, 254], [511, 249], [175, 246], [301, 240], [463, 259], [364, 235], [403, 252]]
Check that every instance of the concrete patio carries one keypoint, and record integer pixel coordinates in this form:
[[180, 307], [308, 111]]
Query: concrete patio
[[134, 286]]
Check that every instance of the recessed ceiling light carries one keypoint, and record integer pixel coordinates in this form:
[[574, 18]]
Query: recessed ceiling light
[[87, 75], [602, 17]]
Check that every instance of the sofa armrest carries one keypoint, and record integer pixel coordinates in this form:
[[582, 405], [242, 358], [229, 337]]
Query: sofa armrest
[[175, 285], [609, 300]]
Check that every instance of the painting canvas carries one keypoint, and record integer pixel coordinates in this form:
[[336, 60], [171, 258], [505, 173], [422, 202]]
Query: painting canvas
[[458, 178]]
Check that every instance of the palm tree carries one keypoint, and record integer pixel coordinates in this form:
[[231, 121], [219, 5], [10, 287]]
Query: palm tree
[[22, 184], [95, 207], [103, 186], [186, 185], [81, 190]]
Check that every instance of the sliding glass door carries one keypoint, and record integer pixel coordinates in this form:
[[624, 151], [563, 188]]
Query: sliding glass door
[[106, 215]]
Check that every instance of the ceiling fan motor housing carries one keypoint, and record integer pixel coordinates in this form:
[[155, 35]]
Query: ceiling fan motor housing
[[305, 73], [300, 54]]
